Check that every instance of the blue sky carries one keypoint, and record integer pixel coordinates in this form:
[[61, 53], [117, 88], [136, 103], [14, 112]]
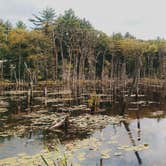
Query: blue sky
[[143, 18]]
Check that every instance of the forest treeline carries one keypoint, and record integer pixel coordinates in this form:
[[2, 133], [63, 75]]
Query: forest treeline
[[67, 47]]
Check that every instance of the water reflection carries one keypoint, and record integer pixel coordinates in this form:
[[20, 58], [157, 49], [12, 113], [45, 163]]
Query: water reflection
[[127, 128], [153, 135], [143, 124], [10, 146]]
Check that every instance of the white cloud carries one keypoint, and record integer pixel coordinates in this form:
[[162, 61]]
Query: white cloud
[[143, 18]]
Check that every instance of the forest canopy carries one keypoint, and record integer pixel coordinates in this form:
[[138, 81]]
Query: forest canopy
[[67, 47]]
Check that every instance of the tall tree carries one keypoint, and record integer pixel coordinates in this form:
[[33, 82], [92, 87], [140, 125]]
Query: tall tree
[[44, 19], [20, 24]]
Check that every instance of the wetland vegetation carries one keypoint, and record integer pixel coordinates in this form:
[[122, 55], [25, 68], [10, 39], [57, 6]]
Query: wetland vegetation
[[72, 95]]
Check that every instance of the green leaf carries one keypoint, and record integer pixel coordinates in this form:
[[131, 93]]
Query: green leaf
[[44, 160]]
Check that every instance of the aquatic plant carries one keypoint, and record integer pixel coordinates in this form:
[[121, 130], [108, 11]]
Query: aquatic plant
[[94, 100], [61, 162]]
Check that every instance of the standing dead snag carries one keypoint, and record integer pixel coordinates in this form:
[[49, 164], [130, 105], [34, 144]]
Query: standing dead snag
[[1, 69]]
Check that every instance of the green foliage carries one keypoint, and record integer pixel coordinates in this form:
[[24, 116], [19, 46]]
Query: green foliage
[[68, 47], [61, 162], [20, 25], [46, 17], [94, 100]]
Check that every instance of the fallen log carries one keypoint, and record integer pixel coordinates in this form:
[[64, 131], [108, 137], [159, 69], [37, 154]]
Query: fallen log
[[62, 123]]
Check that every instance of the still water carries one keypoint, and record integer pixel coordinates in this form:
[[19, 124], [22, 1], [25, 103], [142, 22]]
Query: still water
[[11, 146], [145, 126], [151, 133]]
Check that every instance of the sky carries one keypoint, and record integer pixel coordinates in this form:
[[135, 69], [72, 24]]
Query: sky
[[144, 19]]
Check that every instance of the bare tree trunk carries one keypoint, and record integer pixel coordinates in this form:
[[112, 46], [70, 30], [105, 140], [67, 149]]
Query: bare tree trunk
[[112, 68], [63, 64], [70, 63], [103, 68], [56, 64]]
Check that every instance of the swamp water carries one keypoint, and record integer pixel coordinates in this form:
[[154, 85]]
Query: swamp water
[[103, 139]]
